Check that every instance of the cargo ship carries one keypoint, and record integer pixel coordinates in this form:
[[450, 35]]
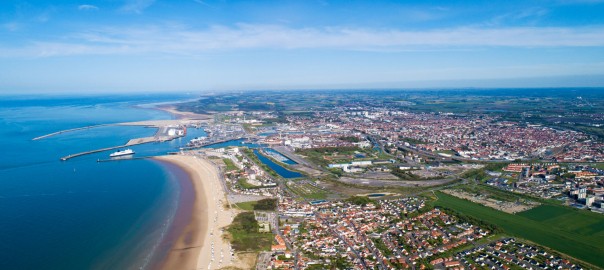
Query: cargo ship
[[122, 153]]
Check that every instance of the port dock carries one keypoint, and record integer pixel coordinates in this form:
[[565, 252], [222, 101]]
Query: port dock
[[162, 125], [166, 130], [208, 143]]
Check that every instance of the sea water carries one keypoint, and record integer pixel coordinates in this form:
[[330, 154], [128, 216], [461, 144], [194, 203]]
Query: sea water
[[82, 214]]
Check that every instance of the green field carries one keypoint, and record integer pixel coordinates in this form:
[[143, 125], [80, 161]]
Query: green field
[[579, 234], [599, 166], [230, 166], [307, 191], [264, 204], [244, 236], [248, 206], [573, 220]]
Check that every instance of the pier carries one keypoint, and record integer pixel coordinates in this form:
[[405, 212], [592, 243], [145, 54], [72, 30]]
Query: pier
[[69, 130], [91, 152], [161, 125], [130, 143]]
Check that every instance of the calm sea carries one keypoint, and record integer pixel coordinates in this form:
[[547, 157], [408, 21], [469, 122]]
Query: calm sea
[[80, 214]]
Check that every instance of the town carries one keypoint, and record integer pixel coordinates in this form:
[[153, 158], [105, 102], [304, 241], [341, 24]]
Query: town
[[371, 186]]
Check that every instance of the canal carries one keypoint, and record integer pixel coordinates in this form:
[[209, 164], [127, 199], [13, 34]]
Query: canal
[[283, 172]]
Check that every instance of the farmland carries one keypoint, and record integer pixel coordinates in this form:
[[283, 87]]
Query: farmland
[[578, 234], [577, 221]]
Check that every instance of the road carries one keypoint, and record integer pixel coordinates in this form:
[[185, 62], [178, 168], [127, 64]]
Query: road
[[370, 246], [334, 232], [395, 183]]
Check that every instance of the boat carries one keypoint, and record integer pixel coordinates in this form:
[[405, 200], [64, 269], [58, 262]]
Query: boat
[[122, 153]]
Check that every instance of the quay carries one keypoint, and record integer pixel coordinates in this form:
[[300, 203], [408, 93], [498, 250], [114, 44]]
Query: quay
[[210, 143]]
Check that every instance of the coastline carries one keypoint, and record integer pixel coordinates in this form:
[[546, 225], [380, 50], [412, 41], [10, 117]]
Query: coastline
[[200, 243], [180, 115]]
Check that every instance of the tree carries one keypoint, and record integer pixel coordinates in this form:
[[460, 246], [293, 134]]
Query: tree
[[359, 200]]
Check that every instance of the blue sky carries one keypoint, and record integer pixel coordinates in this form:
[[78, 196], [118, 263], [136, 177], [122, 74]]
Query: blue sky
[[205, 45]]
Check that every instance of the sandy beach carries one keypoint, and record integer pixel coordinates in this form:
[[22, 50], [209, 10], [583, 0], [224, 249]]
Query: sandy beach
[[184, 115], [201, 245]]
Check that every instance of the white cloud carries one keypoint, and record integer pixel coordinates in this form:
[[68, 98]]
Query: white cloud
[[87, 7], [180, 40], [528, 16], [136, 6]]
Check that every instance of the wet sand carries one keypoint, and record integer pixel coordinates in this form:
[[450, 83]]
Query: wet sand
[[200, 245], [184, 115]]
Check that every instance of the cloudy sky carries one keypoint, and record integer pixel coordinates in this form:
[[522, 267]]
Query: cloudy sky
[[197, 45]]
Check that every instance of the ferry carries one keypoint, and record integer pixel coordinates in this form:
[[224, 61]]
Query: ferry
[[122, 153]]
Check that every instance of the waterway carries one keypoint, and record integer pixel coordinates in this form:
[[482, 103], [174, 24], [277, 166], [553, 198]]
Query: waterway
[[282, 171], [282, 158]]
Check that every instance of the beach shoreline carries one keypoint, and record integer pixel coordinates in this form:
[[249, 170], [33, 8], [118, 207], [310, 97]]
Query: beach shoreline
[[180, 115], [200, 244]]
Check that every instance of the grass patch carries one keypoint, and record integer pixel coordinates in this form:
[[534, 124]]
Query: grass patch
[[307, 190], [245, 185], [244, 235], [247, 206], [359, 200], [574, 220], [544, 212], [577, 239], [599, 166], [448, 152], [230, 166], [264, 204]]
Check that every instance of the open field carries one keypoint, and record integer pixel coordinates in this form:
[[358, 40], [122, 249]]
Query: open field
[[244, 235], [306, 190], [576, 235], [230, 166], [264, 205], [247, 206], [577, 221], [505, 206]]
